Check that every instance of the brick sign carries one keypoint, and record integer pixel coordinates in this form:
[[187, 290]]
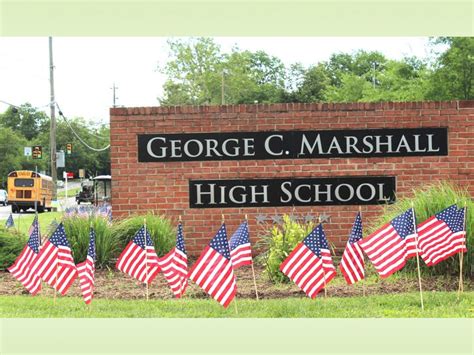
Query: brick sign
[[200, 162], [363, 190], [292, 144]]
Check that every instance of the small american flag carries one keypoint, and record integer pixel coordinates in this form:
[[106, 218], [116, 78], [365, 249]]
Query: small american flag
[[139, 259], [21, 269], [387, 247], [310, 265], [9, 223], [86, 270], [352, 262], [240, 251], [54, 263], [213, 270], [175, 265], [442, 235]]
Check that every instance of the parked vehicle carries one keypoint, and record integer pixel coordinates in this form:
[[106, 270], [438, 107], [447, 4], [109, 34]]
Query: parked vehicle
[[27, 189], [3, 197], [86, 194]]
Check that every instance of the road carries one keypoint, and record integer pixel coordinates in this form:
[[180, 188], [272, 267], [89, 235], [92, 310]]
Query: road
[[5, 211]]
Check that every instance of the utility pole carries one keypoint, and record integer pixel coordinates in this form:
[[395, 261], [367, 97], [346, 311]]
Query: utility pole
[[115, 98], [52, 128], [222, 90]]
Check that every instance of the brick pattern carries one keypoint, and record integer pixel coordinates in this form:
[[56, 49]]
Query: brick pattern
[[163, 187]]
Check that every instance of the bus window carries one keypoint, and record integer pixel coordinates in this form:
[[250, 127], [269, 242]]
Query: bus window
[[24, 182]]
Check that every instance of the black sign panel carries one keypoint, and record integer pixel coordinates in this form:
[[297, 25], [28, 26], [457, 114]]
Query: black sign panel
[[292, 144], [361, 190]]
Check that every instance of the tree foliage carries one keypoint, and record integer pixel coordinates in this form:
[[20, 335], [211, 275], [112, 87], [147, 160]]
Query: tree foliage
[[199, 73], [27, 127]]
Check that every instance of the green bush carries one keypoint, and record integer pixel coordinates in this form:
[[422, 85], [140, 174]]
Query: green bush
[[77, 231], [163, 232], [11, 245], [428, 201], [278, 244]]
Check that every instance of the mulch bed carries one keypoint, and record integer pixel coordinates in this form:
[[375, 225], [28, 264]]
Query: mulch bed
[[112, 284]]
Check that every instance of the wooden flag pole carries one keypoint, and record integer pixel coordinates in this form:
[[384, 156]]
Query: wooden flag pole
[[322, 266], [253, 269], [461, 255], [363, 280], [146, 257], [56, 280], [417, 256], [235, 298]]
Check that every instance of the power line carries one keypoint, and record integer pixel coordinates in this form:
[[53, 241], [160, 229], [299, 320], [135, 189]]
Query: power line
[[78, 137]]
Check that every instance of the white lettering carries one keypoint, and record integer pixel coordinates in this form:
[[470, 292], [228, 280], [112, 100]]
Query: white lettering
[[263, 193], [338, 195], [199, 147], [267, 144], [151, 153], [310, 148], [199, 193], [286, 191]]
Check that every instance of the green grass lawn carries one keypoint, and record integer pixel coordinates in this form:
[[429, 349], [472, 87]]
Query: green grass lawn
[[23, 222], [70, 192], [437, 305]]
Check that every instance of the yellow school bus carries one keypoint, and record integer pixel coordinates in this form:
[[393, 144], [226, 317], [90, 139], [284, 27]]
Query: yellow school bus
[[27, 187]]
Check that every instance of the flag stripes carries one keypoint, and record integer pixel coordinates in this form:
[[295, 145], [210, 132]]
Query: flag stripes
[[86, 270], [22, 271], [21, 268], [215, 276], [86, 278], [213, 270], [139, 259], [240, 251], [54, 263], [242, 255], [386, 250], [442, 235], [352, 263], [175, 269], [310, 265]]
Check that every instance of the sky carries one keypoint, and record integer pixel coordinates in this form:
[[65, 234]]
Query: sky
[[87, 68]]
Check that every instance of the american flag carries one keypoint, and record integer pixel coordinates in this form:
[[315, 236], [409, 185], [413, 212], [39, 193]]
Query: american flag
[[442, 235], [387, 248], [213, 270], [352, 262], [310, 265], [240, 251], [139, 259], [86, 270], [54, 263], [9, 223], [21, 269], [175, 265]]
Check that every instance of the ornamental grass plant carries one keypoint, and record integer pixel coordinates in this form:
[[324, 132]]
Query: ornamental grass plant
[[11, 245], [162, 231], [427, 201], [77, 231]]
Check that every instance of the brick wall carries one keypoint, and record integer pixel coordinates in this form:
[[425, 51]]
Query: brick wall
[[163, 187]]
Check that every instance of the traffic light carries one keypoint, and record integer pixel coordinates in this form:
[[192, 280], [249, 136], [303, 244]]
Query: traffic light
[[69, 149], [37, 152]]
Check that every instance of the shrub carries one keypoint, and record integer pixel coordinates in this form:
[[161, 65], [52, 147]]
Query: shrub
[[162, 231], [77, 231], [278, 242], [428, 201], [11, 245]]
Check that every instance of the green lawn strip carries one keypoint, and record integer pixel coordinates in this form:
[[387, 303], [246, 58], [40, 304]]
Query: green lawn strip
[[437, 305], [70, 192], [23, 222]]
